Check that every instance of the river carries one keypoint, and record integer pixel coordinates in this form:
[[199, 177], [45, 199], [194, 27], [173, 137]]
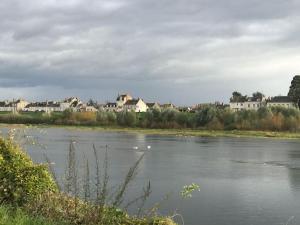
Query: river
[[243, 181]]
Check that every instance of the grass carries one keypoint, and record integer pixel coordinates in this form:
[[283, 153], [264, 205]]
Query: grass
[[190, 132], [9, 216], [176, 132]]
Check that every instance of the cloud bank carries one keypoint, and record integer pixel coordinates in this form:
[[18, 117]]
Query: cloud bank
[[181, 51]]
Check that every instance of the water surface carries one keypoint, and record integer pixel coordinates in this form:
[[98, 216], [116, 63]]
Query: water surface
[[244, 181]]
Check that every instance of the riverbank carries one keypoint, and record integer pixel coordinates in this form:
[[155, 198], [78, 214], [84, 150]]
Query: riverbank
[[173, 132]]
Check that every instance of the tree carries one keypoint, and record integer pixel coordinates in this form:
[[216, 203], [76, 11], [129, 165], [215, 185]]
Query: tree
[[205, 115], [294, 92], [91, 102], [258, 95], [238, 97]]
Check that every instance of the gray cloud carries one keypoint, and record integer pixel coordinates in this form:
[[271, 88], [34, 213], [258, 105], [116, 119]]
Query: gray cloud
[[170, 50]]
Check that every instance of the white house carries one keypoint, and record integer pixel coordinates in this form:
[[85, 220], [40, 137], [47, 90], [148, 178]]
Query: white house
[[250, 104], [5, 107], [43, 107], [136, 105], [282, 101], [111, 107], [168, 106], [122, 99], [87, 108], [14, 106], [119, 104], [153, 105], [53, 106]]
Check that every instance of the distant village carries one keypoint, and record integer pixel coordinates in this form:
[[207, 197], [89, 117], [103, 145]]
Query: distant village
[[126, 102]]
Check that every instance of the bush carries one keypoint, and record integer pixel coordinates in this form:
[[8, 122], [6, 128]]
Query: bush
[[20, 179], [126, 119]]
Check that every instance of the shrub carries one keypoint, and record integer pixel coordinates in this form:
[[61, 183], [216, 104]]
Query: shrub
[[20, 179], [126, 119], [205, 115]]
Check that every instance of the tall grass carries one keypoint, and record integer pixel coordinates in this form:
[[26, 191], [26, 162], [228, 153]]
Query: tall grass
[[9, 216]]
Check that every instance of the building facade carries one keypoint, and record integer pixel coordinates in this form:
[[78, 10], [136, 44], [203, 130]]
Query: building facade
[[136, 105], [250, 104], [281, 101]]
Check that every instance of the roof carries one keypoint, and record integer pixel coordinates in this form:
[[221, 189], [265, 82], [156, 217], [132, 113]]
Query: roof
[[123, 96], [286, 99], [151, 104], [4, 104], [43, 104], [248, 99], [168, 105], [132, 102]]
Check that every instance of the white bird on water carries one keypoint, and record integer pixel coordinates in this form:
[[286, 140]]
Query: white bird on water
[[136, 147], [148, 147]]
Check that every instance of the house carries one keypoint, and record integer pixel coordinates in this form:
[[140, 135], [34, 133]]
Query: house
[[14, 106], [122, 99], [48, 106], [153, 105], [87, 108], [5, 107], [70, 103], [111, 106], [184, 109], [250, 103], [136, 105], [168, 106], [119, 104], [282, 101]]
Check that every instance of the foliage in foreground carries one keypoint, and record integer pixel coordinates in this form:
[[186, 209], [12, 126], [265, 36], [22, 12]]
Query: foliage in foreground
[[60, 207], [20, 179], [9, 216]]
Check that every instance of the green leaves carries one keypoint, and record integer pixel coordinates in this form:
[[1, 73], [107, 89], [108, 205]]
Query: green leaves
[[20, 179], [189, 189]]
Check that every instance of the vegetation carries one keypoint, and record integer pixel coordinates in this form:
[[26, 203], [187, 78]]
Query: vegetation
[[29, 195], [208, 117], [20, 179], [10, 216]]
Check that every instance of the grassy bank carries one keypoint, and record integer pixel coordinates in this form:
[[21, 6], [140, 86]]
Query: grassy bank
[[9, 216], [193, 132], [173, 132]]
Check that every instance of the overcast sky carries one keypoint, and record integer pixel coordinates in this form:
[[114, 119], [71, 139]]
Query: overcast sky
[[183, 51]]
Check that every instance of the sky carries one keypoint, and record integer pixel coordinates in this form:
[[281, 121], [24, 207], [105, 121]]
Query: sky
[[179, 51]]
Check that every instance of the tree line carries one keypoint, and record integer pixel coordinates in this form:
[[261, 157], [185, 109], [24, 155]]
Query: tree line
[[208, 117]]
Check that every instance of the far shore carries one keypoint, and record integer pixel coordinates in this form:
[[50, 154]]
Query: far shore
[[172, 132]]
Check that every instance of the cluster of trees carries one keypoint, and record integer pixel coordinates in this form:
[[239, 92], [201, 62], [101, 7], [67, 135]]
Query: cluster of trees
[[210, 117], [238, 97]]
